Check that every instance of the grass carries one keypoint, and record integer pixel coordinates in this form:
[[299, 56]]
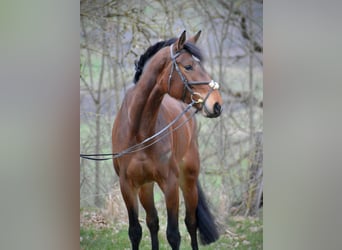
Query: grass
[[247, 236]]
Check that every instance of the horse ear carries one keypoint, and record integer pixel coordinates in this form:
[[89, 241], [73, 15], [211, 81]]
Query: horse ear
[[194, 38], [180, 42]]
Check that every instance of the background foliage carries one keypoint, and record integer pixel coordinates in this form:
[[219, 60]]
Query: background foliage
[[114, 34]]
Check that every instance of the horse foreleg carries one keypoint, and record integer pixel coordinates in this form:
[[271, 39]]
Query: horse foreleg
[[129, 195], [171, 192], [152, 221]]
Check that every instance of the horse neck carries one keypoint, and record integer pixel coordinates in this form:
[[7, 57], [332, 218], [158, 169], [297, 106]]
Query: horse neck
[[147, 100], [150, 113]]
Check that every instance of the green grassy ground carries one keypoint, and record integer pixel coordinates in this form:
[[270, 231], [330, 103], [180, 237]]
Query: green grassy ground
[[243, 234]]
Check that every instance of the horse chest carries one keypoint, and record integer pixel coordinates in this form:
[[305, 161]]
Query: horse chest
[[145, 168]]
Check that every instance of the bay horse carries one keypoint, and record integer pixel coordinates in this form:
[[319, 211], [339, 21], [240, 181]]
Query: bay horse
[[169, 75]]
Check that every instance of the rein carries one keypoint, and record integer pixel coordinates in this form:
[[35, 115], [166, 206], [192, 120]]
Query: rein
[[138, 147]]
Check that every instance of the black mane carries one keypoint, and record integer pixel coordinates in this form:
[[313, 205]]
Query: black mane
[[151, 51]]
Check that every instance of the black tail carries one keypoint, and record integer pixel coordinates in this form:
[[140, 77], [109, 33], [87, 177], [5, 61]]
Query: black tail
[[205, 220]]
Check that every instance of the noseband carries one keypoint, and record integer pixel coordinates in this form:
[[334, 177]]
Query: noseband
[[187, 85]]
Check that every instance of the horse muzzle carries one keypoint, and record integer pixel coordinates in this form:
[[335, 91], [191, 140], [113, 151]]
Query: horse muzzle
[[212, 112]]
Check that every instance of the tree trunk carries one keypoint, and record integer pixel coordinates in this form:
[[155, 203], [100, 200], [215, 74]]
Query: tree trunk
[[98, 119]]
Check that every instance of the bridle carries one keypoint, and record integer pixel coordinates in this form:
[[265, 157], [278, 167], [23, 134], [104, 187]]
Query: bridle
[[187, 84]]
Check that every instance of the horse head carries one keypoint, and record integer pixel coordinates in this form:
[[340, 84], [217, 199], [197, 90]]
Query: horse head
[[187, 80]]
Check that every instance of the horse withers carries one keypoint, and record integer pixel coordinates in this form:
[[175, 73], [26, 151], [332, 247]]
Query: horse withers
[[169, 77]]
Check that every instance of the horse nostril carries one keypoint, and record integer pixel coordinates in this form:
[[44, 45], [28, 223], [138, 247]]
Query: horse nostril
[[217, 108]]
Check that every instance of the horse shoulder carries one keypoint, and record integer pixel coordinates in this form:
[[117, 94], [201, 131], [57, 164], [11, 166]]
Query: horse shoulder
[[184, 137]]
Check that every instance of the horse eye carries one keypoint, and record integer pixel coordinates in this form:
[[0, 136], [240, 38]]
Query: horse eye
[[188, 67]]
